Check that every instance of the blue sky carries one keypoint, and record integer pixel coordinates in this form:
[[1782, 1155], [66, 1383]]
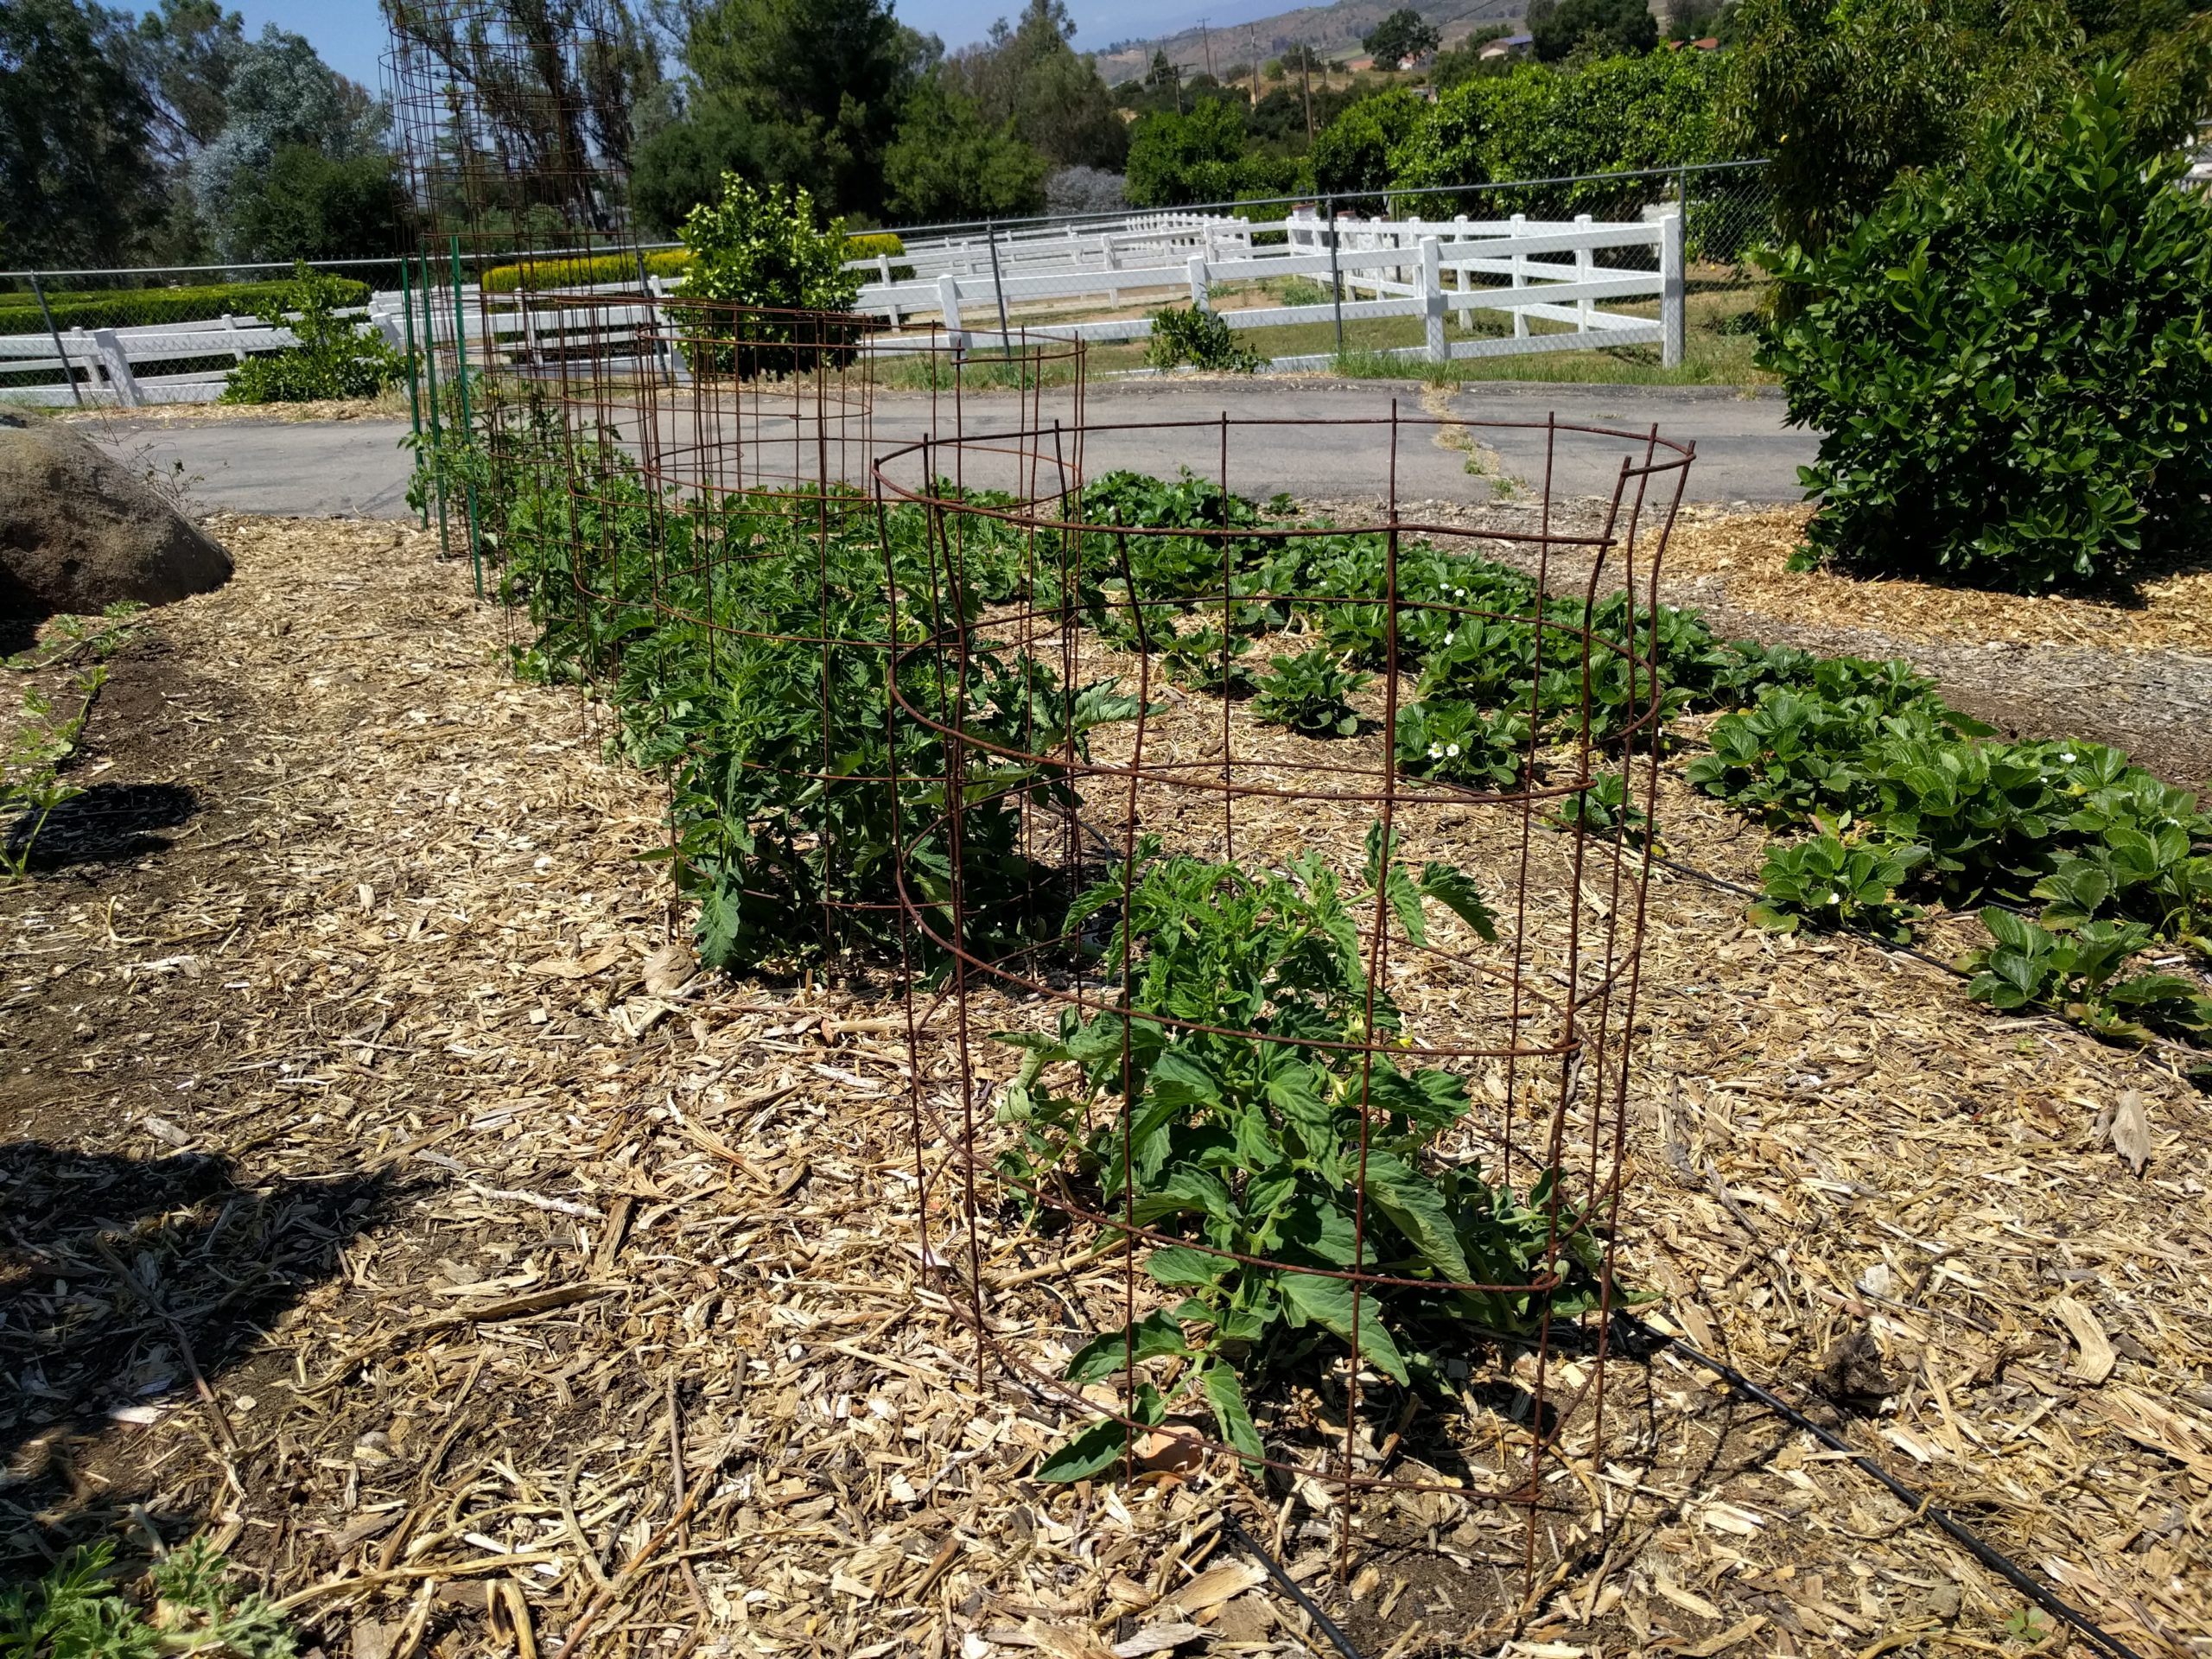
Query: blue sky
[[350, 35]]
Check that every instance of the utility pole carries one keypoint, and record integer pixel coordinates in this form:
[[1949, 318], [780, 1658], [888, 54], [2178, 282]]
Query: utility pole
[[1205, 41], [1252, 52], [1305, 74]]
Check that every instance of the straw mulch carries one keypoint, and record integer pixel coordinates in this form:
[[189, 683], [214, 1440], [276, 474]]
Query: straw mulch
[[1738, 559], [378, 1197]]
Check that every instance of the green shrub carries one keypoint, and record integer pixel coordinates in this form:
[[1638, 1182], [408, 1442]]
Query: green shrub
[[592, 270], [336, 357], [1656, 110], [133, 308], [2013, 369], [1199, 338], [873, 245], [761, 247]]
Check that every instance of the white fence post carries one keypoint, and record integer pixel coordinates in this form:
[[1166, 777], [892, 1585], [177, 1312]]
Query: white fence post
[[948, 301], [1520, 279], [1670, 291], [118, 367], [1586, 269], [1431, 297], [1200, 299], [1466, 313]]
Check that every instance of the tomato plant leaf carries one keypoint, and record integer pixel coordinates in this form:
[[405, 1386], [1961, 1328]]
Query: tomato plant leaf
[[1157, 1335], [1225, 1394], [1328, 1303], [1417, 1210]]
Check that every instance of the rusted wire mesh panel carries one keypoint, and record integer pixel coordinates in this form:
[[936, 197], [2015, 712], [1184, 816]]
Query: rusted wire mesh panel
[[514, 124], [690, 528], [1282, 971]]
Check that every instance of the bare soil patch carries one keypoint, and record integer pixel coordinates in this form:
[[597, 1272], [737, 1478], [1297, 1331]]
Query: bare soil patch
[[527, 1298]]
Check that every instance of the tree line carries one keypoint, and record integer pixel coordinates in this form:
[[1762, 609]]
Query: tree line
[[176, 136]]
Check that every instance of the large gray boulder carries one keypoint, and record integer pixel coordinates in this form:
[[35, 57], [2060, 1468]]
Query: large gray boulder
[[78, 532]]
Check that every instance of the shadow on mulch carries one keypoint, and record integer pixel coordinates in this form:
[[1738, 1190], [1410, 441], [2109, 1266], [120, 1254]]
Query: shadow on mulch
[[106, 824], [118, 1277]]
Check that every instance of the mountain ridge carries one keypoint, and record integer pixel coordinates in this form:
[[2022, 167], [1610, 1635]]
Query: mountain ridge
[[1331, 30]]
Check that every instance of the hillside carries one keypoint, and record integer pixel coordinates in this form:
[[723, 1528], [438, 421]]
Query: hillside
[[1333, 31]]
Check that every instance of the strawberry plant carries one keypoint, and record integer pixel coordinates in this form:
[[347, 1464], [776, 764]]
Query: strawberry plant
[[1245, 1103], [1308, 693], [1832, 881], [1457, 743], [1603, 809], [1207, 660], [2081, 974]]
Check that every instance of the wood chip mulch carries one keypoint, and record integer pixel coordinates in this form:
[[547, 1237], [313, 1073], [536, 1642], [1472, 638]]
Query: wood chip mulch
[[380, 1195]]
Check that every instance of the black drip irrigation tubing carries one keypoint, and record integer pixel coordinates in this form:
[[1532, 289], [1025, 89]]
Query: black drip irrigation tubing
[[1923, 1506], [1647, 1340], [1290, 1586]]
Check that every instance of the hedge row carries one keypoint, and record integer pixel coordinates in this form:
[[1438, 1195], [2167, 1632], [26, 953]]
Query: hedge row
[[135, 308], [540, 275]]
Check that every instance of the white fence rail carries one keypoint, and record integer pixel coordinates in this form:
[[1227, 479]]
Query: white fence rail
[[1566, 273], [1528, 269]]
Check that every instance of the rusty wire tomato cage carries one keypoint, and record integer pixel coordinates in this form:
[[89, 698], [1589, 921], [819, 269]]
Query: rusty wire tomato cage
[[1534, 1026], [712, 460]]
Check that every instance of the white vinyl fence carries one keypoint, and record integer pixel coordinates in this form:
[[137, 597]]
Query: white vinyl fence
[[1571, 274], [1565, 272], [136, 366]]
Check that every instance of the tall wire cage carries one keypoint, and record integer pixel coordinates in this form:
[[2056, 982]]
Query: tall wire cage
[[1273, 999], [670, 492]]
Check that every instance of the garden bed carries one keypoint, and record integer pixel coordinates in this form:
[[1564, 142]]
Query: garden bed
[[562, 1266]]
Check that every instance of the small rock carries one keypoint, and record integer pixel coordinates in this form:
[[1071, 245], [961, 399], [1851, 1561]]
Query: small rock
[[1850, 1373], [669, 969]]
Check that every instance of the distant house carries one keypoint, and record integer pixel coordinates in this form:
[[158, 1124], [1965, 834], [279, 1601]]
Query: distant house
[[1513, 45], [1359, 66], [1708, 44]]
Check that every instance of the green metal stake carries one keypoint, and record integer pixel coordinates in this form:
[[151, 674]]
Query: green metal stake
[[414, 392], [430, 386], [468, 425]]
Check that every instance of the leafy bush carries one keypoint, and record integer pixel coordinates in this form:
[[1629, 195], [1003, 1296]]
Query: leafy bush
[[759, 247], [1205, 156], [2013, 367], [336, 357], [1352, 153], [1199, 338], [1308, 693], [131, 308], [78, 1612], [1656, 109]]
